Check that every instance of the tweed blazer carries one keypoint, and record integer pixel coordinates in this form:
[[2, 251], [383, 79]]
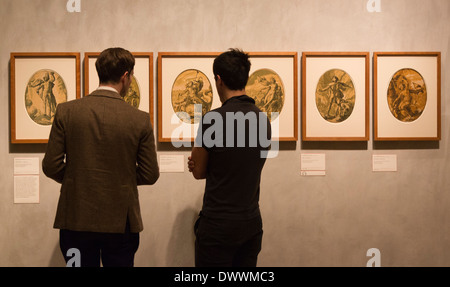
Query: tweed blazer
[[100, 149]]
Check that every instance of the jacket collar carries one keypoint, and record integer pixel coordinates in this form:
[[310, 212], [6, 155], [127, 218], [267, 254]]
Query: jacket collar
[[106, 93]]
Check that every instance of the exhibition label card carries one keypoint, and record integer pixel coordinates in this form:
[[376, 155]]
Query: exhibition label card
[[312, 164], [26, 180], [24, 165], [26, 189], [384, 163], [171, 163]]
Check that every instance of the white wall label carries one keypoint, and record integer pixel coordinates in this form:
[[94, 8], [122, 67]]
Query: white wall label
[[26, 180], [171, 163], [312, 164], [384, 162]]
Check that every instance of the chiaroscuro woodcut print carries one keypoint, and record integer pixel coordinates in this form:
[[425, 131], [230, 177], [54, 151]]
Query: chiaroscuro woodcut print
[[39, 83], [335, 96], [266, 88], [407, 95], [133, 96], [45, 90], [191, 87]]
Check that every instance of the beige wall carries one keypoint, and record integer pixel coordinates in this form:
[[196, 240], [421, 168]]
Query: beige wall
[[308, 221]]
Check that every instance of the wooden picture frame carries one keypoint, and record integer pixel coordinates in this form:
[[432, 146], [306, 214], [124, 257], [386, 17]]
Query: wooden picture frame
[[143, 80], [335, 96], [283, 67], [271, 72], [407, 96], [39, 82], [176, 122]]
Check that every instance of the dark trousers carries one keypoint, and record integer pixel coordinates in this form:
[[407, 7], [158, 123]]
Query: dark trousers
[[227, 243], [113, 249]]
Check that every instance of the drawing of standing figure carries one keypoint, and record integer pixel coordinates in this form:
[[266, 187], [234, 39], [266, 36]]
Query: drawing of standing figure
[[45, 91], [336, 89], [335, 96], [266, 88]]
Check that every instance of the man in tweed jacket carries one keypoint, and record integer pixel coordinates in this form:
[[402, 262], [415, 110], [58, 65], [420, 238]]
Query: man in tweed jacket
[[100, 149]]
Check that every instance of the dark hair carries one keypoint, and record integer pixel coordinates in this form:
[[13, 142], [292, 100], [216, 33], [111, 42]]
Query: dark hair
[[112, 63], [233, 67]]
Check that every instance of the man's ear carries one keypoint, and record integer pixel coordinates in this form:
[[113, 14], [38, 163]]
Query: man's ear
[[124, 77], [218, 80]]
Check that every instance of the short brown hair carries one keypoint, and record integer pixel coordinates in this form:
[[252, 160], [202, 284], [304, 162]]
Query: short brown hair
[[112, 63]]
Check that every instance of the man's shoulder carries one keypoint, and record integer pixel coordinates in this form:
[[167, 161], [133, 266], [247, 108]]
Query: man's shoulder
[[68, 104]]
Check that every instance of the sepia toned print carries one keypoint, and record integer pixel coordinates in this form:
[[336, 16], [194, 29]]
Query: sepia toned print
[[191, 87], [407, 95], [45, 90], [266, 88], [335, 96], [133, 96]]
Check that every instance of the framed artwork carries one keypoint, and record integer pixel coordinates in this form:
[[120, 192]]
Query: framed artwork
[[335, 96], [39, 82], [140, 94], [184, 79], [273, 85], [407, 96]]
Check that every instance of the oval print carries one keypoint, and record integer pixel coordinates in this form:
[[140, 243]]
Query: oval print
[[191, 87], [335, 96], [266, 88], [407, 95], [45, 90]]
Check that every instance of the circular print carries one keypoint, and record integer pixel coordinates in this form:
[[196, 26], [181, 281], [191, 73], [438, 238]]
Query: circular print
[[407, 95], [133, 96], [45, 90], [266, 88], [335, 96], [191, 87]]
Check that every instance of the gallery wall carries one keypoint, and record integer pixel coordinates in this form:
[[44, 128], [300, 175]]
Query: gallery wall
[[330, 220]]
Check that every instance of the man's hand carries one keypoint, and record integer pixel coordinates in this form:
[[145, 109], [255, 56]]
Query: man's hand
[[198, 162], [191, 164]]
